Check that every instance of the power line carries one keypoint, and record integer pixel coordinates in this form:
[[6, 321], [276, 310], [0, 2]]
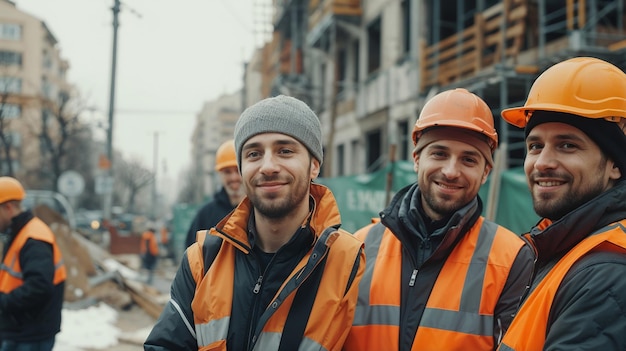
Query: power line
[[154, 112]]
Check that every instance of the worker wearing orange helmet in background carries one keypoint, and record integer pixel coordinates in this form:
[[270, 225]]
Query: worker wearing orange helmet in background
[[224, 200], [575, 165], [438, 275], [32, 276], [149, 251]]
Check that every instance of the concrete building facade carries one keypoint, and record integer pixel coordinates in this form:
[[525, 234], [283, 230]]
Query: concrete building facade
[[32, 83], [368, 66]]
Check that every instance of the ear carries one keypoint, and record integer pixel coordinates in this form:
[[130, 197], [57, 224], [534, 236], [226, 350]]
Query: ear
[[614, 173], [315, 168], [416, 159], [486, 173]]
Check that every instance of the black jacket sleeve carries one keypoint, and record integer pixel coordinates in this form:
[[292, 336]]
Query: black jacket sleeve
[[174, 330], [589, 308]]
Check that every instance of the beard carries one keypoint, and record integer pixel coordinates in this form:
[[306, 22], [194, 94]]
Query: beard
[[276, 206], [442, 205], [554, 208]]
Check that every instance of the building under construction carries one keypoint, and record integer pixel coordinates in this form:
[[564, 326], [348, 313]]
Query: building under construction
[[367, 67]]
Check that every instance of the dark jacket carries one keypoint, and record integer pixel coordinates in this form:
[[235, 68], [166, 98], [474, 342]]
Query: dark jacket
[[175, 328], [209, 215], [32, 311], [589, 308], [426, 245]]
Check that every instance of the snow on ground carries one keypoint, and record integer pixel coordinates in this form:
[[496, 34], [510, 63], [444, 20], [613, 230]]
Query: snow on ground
[[92, 327]]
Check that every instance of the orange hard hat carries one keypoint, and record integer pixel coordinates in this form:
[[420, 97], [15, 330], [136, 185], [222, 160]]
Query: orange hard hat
[[11, 189], [226, 156], [457, 108], [583, 86]]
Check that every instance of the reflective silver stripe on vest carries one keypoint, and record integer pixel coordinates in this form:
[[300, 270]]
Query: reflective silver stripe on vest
[[19, 275], [504, 347], [213, 331], [467, 320], [271, 341], [10, 271]]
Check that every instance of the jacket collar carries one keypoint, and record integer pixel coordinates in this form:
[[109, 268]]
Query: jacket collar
[[404, 220], [551, 239], [325, 213]]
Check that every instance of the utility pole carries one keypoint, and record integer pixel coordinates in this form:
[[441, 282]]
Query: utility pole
[[108, 195], [155, 169]]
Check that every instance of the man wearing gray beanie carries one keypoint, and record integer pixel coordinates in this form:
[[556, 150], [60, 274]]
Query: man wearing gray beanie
[[277, 273], [281, 114]]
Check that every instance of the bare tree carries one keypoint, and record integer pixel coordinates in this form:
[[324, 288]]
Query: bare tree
[[61, 127], [6, 139], [132, 177]]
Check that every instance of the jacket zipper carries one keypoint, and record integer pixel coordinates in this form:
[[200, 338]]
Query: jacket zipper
[[254, 338]]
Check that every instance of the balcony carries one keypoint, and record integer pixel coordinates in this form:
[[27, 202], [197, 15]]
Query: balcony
[[481, 45], [321, 9]]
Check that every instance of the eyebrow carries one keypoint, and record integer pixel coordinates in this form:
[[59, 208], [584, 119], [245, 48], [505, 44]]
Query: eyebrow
[[445, 148], [568, 136], [279, 142]]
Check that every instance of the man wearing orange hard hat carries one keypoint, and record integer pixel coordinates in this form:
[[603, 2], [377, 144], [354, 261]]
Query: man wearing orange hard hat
[[32, 275], [226, 199], [438, 275], [575, 163]]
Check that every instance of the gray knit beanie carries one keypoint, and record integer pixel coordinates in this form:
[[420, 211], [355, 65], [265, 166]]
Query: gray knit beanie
[[280, 114]]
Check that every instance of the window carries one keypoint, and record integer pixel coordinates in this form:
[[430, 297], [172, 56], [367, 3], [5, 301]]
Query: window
[[10, 85], [357, 55], [406, 25], [323, 87], [4, 167], [10, 31], [341, 160], [10, 111], [10, 58], [403, 140], [354, 156], [341, 70], [15, 139], [373, 45], [374, 142]]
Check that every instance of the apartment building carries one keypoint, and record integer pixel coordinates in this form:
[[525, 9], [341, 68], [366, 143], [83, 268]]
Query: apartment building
[[215, 123], [368, 66], [32, 83]]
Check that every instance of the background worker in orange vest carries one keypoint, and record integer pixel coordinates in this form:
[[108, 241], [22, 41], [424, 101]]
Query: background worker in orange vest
[[224, 200], [276, 273], [32, 276], [574, 120], [149, 250], [438, 275]]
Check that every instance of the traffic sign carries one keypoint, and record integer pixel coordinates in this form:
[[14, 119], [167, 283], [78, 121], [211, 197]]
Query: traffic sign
[[71, 183]]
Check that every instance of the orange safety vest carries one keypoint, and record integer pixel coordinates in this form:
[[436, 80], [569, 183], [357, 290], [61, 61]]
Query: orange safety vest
[[459, 312], [333, 305], [148, 243], [11, 272], [528, 330]]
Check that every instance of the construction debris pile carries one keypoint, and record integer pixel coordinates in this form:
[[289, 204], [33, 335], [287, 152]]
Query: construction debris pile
[[94, 276]]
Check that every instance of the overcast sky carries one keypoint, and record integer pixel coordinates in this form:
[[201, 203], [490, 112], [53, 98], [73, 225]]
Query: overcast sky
[[172, 56]]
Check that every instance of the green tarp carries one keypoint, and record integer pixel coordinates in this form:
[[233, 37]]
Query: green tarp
[[362, 197]]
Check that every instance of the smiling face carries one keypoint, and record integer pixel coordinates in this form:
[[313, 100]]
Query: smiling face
[[231, 180], [565, 169], [449, 175], [277, 171]]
